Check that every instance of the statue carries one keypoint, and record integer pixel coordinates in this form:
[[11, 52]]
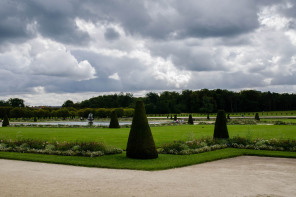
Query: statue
[[90, 119]]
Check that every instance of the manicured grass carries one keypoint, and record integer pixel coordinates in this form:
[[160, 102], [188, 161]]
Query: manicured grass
[[272, 120], [163, 134], [120, 161]]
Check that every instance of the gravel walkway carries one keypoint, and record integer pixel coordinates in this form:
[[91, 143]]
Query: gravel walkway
[[241, 176]]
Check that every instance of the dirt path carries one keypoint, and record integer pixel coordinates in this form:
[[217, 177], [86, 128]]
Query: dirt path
[[240, 176]]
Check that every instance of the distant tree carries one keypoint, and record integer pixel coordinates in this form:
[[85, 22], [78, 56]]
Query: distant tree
[[5, 121], [221, 130], [17, 112], [129, 112], [63, 113], [119, 112], [190, 119], [257, 117], [3, 103], [114, 120], [16, 102], [140, 143], [68, 103]]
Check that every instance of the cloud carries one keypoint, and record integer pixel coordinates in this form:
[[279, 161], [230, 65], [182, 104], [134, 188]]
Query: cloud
[[115, 76], [111, 34], [61, 47]]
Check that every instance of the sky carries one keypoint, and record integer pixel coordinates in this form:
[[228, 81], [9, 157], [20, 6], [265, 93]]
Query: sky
[[55, 50]]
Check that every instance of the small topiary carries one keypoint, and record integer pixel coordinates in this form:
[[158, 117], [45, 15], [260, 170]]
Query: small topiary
[[220, 130], [140, 143], [190, 120], [114, 120], [208, 116], [5, 122], [175, 117], [257, 117]]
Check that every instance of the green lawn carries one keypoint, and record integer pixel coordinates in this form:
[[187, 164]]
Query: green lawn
[[120, 161], [163, 134], [273, 120]]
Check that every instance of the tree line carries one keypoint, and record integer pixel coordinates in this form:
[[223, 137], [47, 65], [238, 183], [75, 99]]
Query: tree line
[[187, 101], [199, 101]]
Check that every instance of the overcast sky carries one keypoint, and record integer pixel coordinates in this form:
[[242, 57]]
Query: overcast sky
[[55, 50]]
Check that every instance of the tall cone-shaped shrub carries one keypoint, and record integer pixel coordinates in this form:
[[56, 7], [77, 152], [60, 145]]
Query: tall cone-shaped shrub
[[190, 120], [114, 120], [220, 130], [140, 143], [5, 121], [257, 117]]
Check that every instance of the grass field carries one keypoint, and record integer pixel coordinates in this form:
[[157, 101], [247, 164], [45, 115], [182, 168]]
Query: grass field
[[162, 134]]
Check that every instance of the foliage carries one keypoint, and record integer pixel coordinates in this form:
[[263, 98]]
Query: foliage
[[175, 117], [5, 122], [91, 149], [209, 144], [140, 141], [257, 117], [221, 130], [16, 102], [114, 120], [190, 120]]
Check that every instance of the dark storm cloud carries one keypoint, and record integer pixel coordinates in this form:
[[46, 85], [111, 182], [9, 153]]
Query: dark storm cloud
[[111, 34], [153, 19], [53, 19], [179, 19], [61, 46]]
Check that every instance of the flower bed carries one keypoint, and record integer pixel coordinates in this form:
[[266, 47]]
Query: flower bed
[[88, 149], [210, 144]]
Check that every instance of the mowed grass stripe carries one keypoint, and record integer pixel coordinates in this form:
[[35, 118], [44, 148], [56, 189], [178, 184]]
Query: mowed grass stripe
[[164, 134]]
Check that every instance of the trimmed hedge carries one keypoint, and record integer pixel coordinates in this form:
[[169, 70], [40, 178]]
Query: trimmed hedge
[[140, 143]]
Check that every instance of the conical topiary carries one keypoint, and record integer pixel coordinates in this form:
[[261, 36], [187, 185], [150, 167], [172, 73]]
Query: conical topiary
[[257, 117], [220, 130], [190, 120], [114, 120], [140, 143], [5, 122], [175, 117]]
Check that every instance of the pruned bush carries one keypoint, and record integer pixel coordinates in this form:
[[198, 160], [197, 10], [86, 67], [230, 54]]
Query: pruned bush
[[221, 130], [209, 144], [257, 117], [175, 117], [5, 122], [140, 143], [89, 149], [114, 120], [190, 119]]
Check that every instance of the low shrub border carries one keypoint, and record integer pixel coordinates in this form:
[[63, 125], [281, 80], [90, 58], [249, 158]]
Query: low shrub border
[[210, 144], [89, 149]]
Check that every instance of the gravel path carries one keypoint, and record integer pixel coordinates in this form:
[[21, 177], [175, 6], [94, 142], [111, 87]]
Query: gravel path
[[241, 176]]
